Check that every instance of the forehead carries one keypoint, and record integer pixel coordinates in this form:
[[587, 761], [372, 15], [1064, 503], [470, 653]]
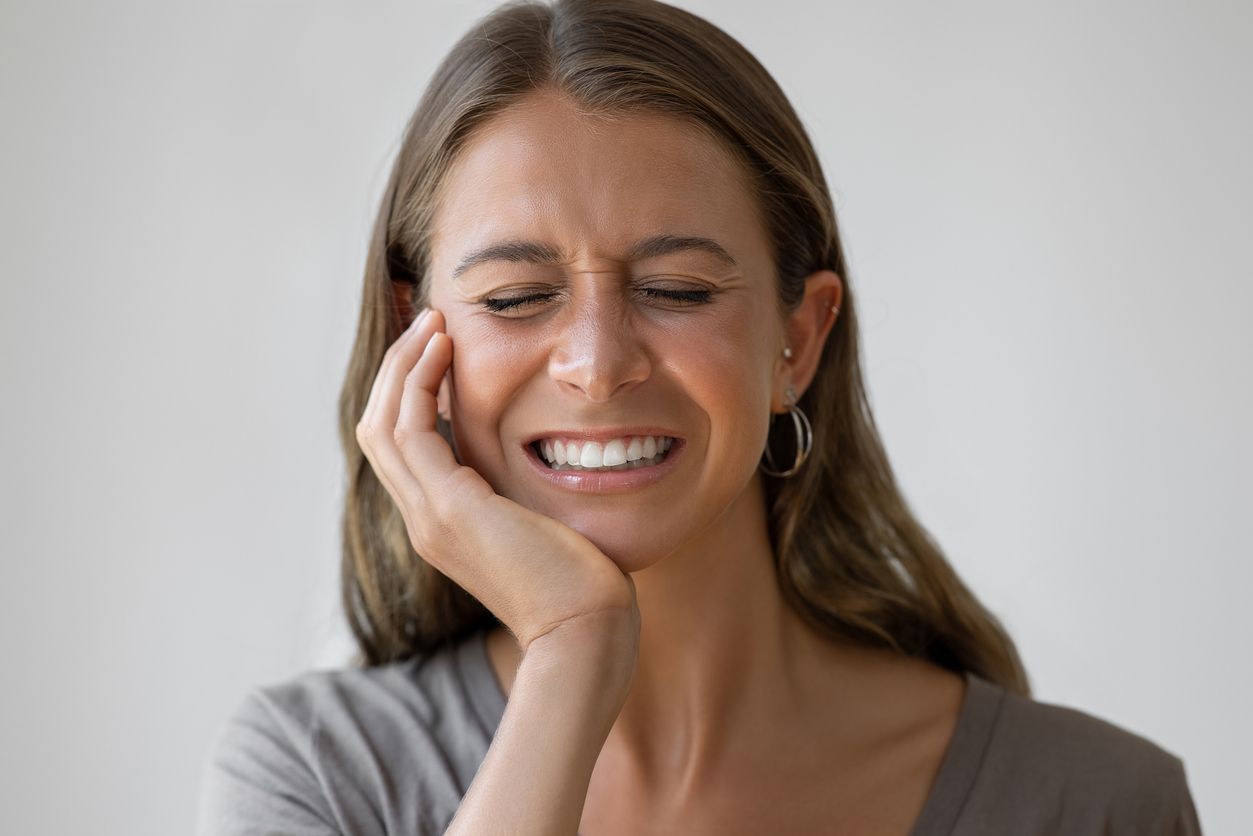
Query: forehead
[[542, 171]]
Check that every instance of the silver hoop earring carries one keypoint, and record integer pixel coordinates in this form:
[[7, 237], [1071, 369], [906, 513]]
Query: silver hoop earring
[[804, 439]]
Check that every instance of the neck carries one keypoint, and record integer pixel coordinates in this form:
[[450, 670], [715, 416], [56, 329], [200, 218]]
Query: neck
[[721, 654], [729, 675]]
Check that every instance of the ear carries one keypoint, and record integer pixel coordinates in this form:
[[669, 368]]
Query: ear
[[402, 293], [806, 334]]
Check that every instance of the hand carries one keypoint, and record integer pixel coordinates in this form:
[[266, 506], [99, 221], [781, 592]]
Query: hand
[[533, 572]]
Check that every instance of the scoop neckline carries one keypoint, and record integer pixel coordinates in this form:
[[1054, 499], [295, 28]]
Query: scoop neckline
[[963, 758]]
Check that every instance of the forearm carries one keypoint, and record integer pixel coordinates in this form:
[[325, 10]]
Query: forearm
[[569, 688]]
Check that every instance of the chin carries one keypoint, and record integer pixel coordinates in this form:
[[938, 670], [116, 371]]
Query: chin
[[622, 542]]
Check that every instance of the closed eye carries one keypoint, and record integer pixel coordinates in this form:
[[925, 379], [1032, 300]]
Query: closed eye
[[515, 302], [691, 297], [683, 297]]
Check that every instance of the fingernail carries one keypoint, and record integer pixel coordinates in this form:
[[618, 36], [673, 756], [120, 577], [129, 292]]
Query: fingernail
[[417, 320]]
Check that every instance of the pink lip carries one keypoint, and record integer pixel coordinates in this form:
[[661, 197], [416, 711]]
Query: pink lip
[[606, 481]]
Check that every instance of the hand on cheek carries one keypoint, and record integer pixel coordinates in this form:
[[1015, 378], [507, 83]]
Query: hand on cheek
[[534, 573]]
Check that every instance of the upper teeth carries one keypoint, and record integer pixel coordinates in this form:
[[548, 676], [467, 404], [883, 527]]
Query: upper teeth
[[594, 454]]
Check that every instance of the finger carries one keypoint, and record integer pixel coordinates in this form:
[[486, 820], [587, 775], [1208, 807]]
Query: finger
[[425, 451], [378, 422], [396, 369], [380, 414], [393, 473], [389, 360]]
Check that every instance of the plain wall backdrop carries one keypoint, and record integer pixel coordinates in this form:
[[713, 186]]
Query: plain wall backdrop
[[1047, 212]]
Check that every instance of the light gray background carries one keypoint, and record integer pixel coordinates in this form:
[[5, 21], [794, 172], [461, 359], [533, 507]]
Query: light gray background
[[1047, 209]]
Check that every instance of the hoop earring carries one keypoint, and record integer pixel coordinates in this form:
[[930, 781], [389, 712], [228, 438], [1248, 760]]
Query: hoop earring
[[804, 439]]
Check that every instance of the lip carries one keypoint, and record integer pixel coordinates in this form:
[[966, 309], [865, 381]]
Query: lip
[[605, 481]]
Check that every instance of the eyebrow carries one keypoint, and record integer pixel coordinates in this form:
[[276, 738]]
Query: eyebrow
[[537, 253]]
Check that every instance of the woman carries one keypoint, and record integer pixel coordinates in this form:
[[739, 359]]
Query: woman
[[597, 587]]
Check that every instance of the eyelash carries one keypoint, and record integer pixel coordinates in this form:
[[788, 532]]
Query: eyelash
[[686, 297]]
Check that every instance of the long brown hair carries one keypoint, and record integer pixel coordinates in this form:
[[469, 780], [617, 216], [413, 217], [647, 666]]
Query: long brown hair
[[851, 558]]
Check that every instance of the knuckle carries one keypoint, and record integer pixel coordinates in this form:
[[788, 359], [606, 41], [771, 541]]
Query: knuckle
[[365, 438], [442, 510], [413, 379], [438, 523], [424, 536], [457, 488], [450, 497], [433, 525]]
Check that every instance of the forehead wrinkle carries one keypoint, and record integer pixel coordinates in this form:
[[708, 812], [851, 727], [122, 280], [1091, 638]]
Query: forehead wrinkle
[[652, 246]]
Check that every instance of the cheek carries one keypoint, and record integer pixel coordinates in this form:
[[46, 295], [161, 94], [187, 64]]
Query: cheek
[[486, 372], [730, 382]]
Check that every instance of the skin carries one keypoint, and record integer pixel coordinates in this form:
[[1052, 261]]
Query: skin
[[738, 714]]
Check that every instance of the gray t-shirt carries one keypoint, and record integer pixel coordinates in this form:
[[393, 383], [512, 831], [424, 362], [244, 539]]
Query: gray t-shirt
[[392, 749]]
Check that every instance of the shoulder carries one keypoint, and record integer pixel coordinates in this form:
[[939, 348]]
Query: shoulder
[[326, 751], [1062, 738], [437, 691], [1074, 772]]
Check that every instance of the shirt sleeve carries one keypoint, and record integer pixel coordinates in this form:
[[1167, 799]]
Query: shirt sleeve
[[257, 780], [1185, 821]]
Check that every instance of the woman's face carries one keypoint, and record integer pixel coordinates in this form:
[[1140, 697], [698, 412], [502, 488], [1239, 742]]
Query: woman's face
[[598, 348]]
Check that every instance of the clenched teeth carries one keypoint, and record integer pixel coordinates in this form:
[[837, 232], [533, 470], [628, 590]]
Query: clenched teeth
[[619, 454]]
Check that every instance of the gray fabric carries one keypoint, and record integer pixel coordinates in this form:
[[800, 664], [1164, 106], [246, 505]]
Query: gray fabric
[[1018, 766], [391, 750]]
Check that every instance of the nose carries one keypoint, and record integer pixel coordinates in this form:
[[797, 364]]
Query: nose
[[599, 354]]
